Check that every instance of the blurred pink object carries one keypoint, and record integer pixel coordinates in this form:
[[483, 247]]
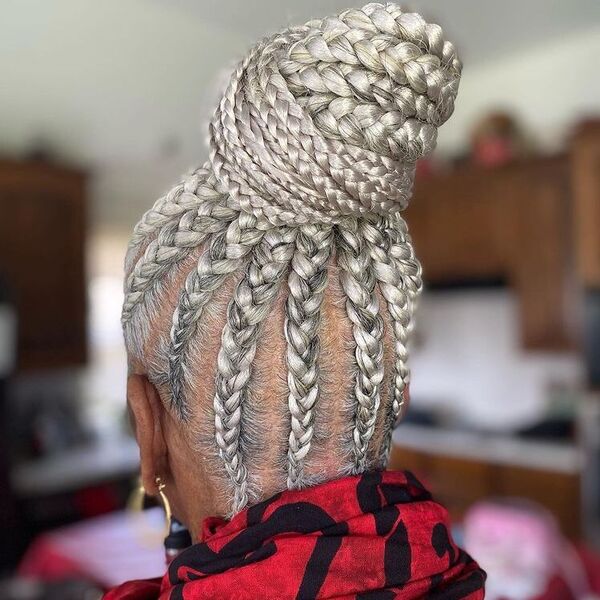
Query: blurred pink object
[[522, 550], [493, 152], [425, 168]]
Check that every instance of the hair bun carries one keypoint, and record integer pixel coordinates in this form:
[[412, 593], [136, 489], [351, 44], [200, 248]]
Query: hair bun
[[327, 120]]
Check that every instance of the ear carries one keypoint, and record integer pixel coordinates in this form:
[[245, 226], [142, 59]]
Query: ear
[[145, 409]]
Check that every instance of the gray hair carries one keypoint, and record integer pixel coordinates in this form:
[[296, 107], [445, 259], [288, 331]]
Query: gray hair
[[312, 157]]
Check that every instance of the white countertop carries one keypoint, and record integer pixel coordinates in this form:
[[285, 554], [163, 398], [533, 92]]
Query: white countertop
[[76, 468], [495, 448]]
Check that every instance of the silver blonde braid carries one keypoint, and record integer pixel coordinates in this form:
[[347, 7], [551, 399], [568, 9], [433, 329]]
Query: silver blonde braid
[[174, 242], [306, 281], [225, 251], [385, 78], [402, 252], [400, 284], [175, 228], [312, 157], [249, 307], [358, 282], [180, 198]]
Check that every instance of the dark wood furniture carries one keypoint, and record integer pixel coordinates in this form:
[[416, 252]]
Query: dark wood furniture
[[42, 236], [511, 223], [585, 167], [459, 482], [534, 224]]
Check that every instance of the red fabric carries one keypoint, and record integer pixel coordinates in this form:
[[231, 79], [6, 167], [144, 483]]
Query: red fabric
[[147, 589], [558, 588], [43, 561], [378, 536]]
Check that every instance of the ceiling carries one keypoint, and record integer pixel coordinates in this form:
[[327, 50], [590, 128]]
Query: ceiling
[[483, 30]]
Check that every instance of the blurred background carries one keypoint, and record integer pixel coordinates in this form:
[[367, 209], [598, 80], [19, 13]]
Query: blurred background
[[103, 105]]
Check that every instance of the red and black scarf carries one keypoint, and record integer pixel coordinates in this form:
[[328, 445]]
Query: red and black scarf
[[377, 536]]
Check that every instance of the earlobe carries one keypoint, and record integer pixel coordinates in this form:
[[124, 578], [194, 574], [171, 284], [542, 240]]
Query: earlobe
[[145, 406]]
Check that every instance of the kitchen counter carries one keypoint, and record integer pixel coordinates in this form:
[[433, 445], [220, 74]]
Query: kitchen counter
[[500, 449], [77, 468]]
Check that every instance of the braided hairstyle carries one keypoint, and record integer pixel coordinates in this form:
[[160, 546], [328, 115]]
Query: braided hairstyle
[[312, 158]]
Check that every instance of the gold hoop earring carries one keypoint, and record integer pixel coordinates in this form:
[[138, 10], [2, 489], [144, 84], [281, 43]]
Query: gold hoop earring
[[135, 505], [160, 486]]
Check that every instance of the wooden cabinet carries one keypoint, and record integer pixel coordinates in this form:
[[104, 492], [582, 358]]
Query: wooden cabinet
[[585, 168], [511, 224], [460, 482], [42, 229], [456, 222]]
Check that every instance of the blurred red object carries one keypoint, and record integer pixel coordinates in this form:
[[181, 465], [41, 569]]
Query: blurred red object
[[95, 501], [497, 139], [558, 588], [106, 550]]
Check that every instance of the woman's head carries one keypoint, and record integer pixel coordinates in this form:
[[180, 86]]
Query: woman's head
[[269, 296]]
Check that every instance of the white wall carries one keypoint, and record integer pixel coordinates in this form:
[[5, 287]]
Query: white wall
[[469, 363], [126, 88], [548, 88], [112, 86]]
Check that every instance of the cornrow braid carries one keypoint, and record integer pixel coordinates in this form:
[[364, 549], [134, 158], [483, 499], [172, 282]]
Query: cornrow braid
[[306, 282], [358, 282], [393, 276], [225, 251], [176, 238], [250, 305], [180, 198], [402, 251]]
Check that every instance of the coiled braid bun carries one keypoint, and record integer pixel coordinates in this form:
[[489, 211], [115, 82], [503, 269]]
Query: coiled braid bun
[[327, 120]]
